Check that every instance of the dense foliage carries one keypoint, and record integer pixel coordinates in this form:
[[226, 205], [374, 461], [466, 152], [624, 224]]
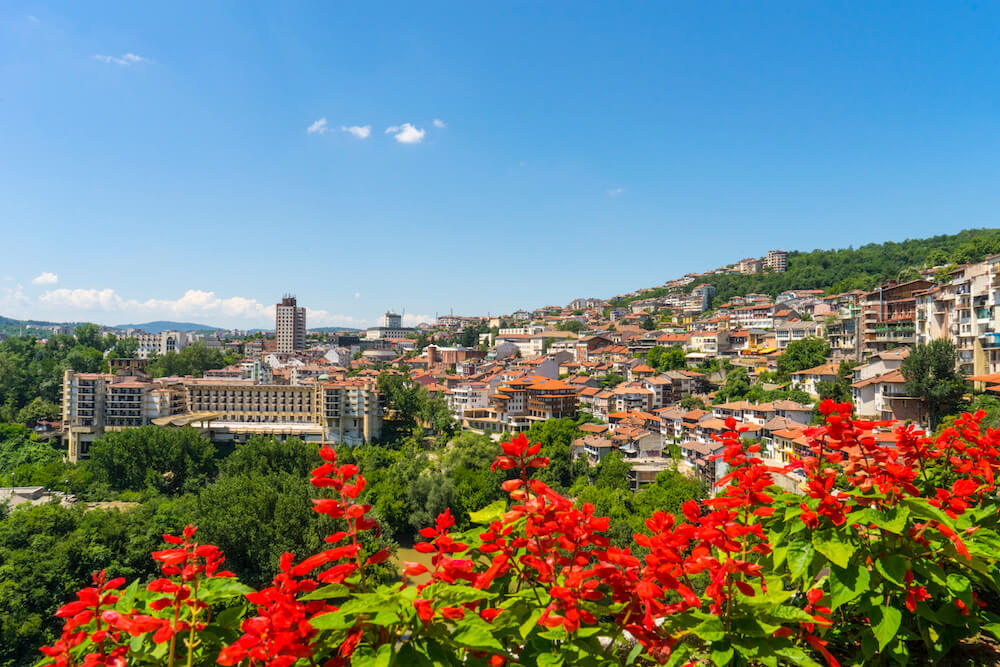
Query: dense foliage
[[851, 268], [890, 555]]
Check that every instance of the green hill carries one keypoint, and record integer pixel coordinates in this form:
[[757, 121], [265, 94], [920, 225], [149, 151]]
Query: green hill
[[853, 268]]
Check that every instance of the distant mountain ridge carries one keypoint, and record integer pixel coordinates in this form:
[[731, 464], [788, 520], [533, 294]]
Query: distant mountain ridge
[[160, 326]]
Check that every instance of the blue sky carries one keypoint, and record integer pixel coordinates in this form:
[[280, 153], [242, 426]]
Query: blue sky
[[156, 160]]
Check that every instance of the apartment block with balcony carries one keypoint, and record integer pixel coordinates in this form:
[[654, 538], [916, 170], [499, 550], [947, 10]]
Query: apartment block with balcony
[[966, 311], [888, 316], [93, 403], [346, 411]]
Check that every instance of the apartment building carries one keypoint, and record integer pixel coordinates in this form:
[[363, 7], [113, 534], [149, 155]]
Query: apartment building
[[93, 403], [158, 344], [843, 332], [225, 410], [776, 260], [290, 325], [520, 402], [965, 311], [757, 316], [796, 330], [888, 316]]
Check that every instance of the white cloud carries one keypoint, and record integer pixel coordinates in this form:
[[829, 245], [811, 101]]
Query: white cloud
[[357, 295], [33, 19], [317, 317], [359, 131], [319, 127], [614, 192], [414, 320], [125, 59], [438, 123], [192, 304], [45, 278], [406, 133], [83, 299], [12, 299]]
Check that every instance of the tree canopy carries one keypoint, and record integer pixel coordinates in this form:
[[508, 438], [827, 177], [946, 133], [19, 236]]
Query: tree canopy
[[931, 375]]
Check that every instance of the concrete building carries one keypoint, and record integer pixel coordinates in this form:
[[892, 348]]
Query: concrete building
[[888, 316], [965, 311], [93, 403], [776, 260], [225, 410], [290, 325], [158, 344], [392, 327]]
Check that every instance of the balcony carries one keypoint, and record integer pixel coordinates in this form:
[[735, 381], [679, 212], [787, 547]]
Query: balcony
[[991, 341]]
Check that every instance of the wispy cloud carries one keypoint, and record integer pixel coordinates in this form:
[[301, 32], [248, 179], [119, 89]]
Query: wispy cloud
[[438, 123], [45, 278], [124, 60], [406, 133], [359, 131], [13, 300], [357, 295], [192, 304], [32, 19], [318, 127], [614, 192], [413, 320]]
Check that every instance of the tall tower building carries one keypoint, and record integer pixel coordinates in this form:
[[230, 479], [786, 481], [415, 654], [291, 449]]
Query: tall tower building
[[290, 325]]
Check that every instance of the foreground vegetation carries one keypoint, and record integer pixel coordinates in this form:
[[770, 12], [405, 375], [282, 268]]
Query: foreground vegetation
[[890, 556]]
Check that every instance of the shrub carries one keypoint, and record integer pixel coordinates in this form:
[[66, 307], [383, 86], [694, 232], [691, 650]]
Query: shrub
[[886, 555]]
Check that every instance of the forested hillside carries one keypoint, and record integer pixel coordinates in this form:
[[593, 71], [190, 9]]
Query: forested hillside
[[854, 268]]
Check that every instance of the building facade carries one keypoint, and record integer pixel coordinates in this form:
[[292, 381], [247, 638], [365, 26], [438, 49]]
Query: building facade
[[290, 325], [225, 410]]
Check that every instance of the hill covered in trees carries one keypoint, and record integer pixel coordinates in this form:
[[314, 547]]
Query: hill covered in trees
[[853, 268]]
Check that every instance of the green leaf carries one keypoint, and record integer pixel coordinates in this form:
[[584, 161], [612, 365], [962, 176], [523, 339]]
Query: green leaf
[[847, 584], [921, 508], [892, 568], [228, 618], [893, 521], [783, 613], [221, 588], [800, 555], [993, 629], [797, 656], [961, 587], [722, 653], [335, 620], [451, 595], [529, 624], [827, 543], [127, 600], [327, 592], [490, 513], [477, 638], [634, 653], [366, 656], [710, 630], [551, 660], [888, 625]]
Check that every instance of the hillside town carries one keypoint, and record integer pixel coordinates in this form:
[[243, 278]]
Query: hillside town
[[649, 372]]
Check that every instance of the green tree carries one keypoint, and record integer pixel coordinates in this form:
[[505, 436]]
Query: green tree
[[801, 355], [931, 375], [612, 472], [737, 386], [166, 460], [666, 358], [89, 335], [38, 409], [611, 380], [576, 326]]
